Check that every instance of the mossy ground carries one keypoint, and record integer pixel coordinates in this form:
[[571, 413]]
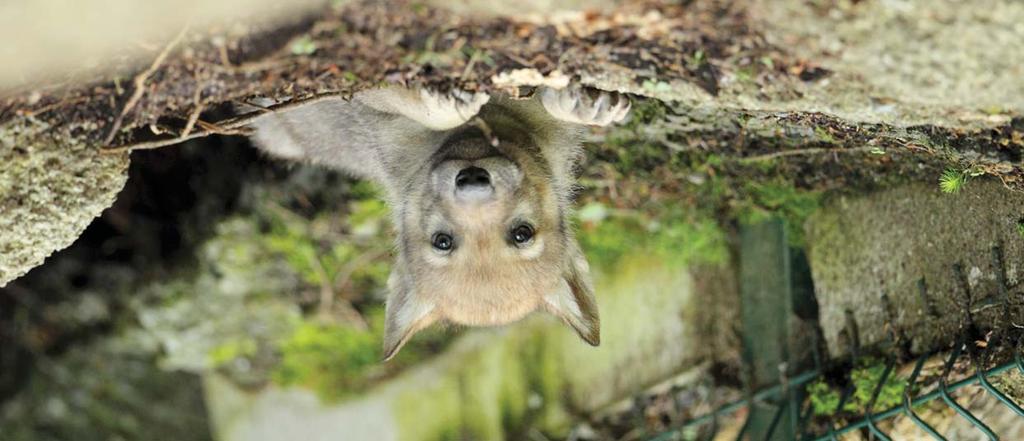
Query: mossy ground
[[864, 379], [654, 193], [677, 181]]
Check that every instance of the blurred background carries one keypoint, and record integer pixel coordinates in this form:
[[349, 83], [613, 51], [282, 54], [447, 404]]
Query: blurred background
[[811, 225], [223, 286]]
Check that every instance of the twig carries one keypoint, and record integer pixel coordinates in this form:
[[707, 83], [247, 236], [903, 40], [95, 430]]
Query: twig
[[235, 125], [52, 106], [324, 309], [326, 293], [486, 129], [218, 130], [222, 50], [344, 277], [156, 129], [140, 84], [797, 152], [520, 60], [192, 118]]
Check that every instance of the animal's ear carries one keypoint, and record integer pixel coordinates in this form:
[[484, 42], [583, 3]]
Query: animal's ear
[[405, 313], [573, 301]]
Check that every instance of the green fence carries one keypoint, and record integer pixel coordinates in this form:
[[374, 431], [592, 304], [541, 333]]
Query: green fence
[[793, 414]]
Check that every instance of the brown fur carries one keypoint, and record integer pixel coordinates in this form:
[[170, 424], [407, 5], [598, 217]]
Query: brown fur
[[415, 145]]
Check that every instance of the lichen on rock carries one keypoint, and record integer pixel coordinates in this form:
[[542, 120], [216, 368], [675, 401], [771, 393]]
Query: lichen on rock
[[51, 187], [912, 260]]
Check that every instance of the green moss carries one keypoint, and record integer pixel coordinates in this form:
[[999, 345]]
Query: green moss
[[493, 393], [326, 358], [673, 233], [865, 379], [541, 357], [336, 360], [824, 398], [703, 187], [779, 198], [824, 135], [431, 412], [231, 350]]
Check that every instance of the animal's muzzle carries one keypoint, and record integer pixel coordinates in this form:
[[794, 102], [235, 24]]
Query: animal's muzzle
[[473, 185]]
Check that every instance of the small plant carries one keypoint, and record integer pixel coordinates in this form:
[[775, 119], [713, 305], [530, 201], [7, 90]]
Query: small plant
[[824, 135], [824, 399], [763, 200], [697, 59], [952, 181], [1020, 228], [865, 379], [303, 46]]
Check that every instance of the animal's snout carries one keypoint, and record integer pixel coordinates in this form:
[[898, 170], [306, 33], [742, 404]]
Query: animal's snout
[[472, 176], [473, 184]]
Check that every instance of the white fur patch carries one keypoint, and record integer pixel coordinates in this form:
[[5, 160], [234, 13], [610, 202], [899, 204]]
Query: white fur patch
[[562, 304], [575, 106], [533, 251], [443, 112]]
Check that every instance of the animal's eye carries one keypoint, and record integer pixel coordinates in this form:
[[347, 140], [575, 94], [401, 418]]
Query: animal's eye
[[442, 241], [522, 234]]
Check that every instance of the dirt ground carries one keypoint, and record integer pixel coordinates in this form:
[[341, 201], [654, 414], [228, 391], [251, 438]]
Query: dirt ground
[[741, 87]]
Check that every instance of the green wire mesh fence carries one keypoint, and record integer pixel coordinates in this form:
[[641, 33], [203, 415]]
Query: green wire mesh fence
[[973, 359]]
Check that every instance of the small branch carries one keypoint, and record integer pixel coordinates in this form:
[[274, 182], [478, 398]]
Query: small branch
[[798, 152], [230, 126], [325, 308], [47, 108], [140, 84], [197, 100], [344, 277], [326, 293], [486, 129], [219, 130]]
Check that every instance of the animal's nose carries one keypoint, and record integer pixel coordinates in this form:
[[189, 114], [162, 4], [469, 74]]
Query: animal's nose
[[473, 184], [471, 177]]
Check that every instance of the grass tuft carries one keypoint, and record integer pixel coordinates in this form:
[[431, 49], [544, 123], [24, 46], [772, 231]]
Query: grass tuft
[[952, 181]]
